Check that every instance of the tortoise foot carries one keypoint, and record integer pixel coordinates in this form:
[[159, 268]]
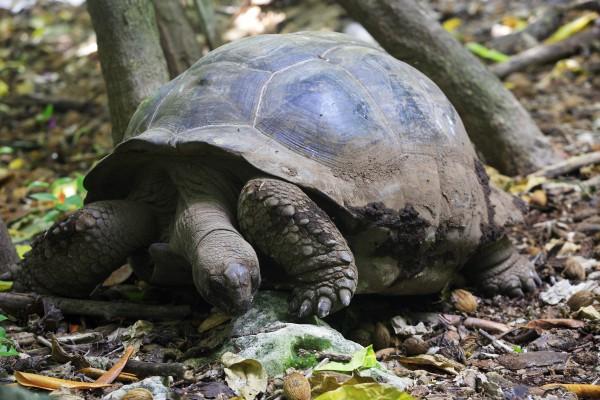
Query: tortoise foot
[[324, 297], [500, 269], [286, 225]]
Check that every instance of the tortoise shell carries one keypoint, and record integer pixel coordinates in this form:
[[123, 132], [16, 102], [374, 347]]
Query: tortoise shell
[[337, 116]]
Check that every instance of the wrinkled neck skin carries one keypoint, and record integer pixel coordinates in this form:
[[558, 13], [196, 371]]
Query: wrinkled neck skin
[[225, 267]]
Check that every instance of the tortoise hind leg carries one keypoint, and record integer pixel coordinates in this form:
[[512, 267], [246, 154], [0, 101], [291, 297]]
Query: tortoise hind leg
[[497, 267], [285, 224], [79, 252]]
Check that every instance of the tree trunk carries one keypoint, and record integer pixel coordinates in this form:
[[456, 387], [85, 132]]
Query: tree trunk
[[8, 254], [177, 38], [133, 64], [206, 16], [502, 130]]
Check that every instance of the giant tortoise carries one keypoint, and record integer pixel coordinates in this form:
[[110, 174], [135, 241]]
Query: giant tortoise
[[341, 168]]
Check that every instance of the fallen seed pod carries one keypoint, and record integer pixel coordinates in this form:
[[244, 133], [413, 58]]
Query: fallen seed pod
[[138, 394], [574, 269], [381, 337], [464, 301], [583, 298], [296, 387], [414, 346]]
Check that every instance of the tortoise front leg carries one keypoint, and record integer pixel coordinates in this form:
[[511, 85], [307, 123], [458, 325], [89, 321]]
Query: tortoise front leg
[[79, 252], [285, 224]]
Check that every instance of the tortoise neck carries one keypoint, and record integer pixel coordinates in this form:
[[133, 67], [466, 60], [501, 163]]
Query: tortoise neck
[[195, 182]]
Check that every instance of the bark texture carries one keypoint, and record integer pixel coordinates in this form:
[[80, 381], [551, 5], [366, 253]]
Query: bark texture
[[132, 60], [501, 129], [206, 16], [8, 254], [177, 38]]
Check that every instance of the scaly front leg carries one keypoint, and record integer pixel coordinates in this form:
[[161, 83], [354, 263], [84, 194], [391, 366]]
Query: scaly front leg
[[78, 253], [289, 227]]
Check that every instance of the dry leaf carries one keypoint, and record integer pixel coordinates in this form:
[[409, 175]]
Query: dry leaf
[[432, 360], [245, 376], [581, 390], [118, 276], [549, 323], [327, 381], [366, 391], [116, 369], [50, 383], [213, 320], [588, 312]]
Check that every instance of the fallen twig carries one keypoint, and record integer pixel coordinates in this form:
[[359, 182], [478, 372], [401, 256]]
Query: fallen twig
[[497, 343], [96, 373], [487, 325], [543, 53], [27, 302], [59, 104], [568, 165], [539, 29], [143, 369]]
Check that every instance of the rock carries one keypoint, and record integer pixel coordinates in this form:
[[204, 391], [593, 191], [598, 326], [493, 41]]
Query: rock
[[404, 329], [19, 393], [532, 359], [264, 335], [562, 290], [155, 384]]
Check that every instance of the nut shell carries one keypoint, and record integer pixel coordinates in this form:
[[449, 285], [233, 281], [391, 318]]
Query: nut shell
[[138, 394], [381, 337], [464, 301], [583, 298], [296, 387], [414, 346], [574, 270]]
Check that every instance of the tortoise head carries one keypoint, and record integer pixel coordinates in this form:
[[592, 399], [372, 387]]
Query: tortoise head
[[233, 289]]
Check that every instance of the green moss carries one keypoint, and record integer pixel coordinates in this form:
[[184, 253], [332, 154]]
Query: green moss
[[310, 343]]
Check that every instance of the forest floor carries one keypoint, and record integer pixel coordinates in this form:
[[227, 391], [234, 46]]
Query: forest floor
[[54, 125]]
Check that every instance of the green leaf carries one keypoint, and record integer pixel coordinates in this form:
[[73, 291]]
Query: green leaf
[[517, 349], [4, 89], [6, 150], [79, 180], [62, 207], [9, 353], [484, 52], [74, 201], [38, 185], [43, 196], [3, 317], [362, 359], [571, 28], [51, 216], [46, 114], [22, 249], [5, 286], [365, 391]]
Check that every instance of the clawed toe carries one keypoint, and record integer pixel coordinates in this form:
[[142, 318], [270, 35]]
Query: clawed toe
[[514, 280], [320, 301]]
